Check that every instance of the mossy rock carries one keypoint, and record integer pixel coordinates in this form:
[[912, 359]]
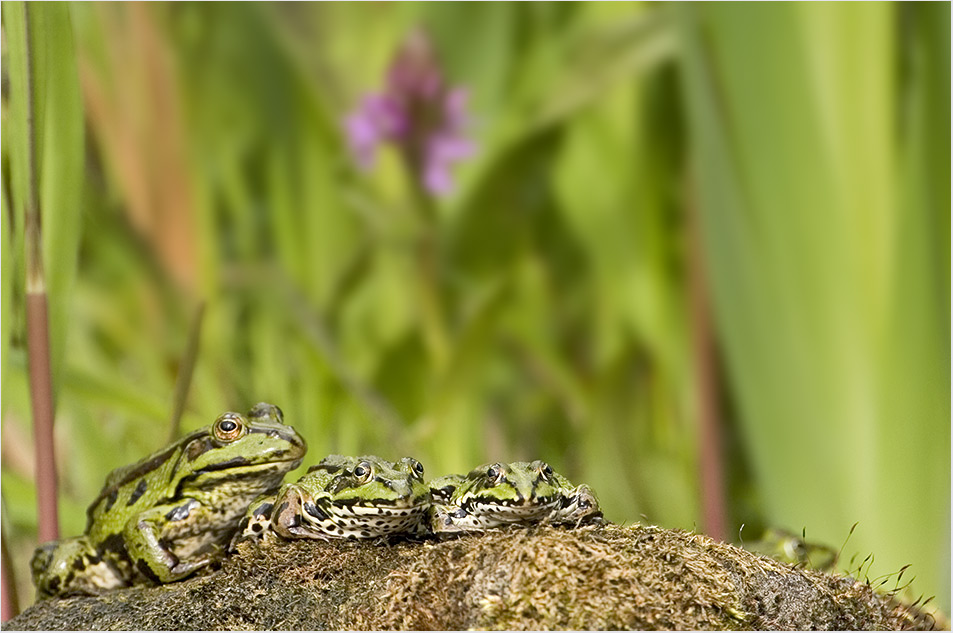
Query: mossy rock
[[540, 578]]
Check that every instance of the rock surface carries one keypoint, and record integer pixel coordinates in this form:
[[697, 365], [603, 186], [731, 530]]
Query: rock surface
[[609, 577]]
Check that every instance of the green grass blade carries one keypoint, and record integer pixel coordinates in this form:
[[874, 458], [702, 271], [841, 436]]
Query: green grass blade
[[60, 160]]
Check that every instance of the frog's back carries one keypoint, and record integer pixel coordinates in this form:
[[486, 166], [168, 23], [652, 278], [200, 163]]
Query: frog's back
[[130, 489]]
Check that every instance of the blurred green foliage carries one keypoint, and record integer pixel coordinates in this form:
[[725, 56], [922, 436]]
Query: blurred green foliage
[[543, 310]]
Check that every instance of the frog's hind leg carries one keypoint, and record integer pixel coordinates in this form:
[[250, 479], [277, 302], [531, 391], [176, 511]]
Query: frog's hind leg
[[73, 566]]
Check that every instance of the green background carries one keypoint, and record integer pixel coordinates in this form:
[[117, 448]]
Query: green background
[[791, 161]]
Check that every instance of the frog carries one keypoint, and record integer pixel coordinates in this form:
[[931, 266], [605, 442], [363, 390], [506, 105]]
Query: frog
[[343, 498], [793, 549], [500, 494], [166, 516]]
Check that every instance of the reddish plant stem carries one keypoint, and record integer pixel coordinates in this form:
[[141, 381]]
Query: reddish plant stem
[[11, 604], [711, 457], [41, 395], [38, 341]]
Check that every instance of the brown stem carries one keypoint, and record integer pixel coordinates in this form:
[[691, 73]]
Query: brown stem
[[11, 604], [711, 467], [41, 395], [184, 380], [38, 341]]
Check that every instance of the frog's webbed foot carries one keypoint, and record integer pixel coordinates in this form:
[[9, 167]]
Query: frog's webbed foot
[[72, 566], [42, 562]]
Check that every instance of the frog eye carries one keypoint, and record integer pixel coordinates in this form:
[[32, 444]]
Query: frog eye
[[229, 427], [363, 471], [546, 471], [494, 472], [418, 468]]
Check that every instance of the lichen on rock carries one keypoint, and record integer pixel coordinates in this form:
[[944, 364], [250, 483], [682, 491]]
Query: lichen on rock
[[599, 577]]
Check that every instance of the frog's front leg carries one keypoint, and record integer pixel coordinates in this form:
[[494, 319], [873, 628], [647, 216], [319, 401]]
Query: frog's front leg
[[297, 515], [580, 507], [148, 542], [256, 523]]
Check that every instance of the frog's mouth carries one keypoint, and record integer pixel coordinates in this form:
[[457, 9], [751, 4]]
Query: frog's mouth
[[242, 464], [516, 505], [364, 506], [513, 510], [241, 476]]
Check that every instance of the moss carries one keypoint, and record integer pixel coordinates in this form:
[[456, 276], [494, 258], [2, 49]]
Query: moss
[[591, 578]]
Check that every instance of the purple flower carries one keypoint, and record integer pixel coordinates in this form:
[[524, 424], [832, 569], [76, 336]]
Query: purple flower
[[418, 113]]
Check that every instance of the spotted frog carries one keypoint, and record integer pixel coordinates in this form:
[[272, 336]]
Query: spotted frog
[[162, 518], [344, 498], [499, 494]]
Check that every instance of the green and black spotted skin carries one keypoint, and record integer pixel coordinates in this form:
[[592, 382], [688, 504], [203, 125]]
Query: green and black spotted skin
[[345, 498], [162, 518], [495, 495]]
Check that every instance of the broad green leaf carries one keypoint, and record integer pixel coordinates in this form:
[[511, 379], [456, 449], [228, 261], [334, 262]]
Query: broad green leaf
[[793, 112], [917, 358]]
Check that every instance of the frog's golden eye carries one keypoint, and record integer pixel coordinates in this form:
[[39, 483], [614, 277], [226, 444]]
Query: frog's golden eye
[[418, 468], [545, 471], [364, 471], [229, 427]]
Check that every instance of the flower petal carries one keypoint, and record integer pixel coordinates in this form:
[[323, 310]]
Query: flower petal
[[455, 107], [362, 138], [418, 112], [449, 148], [436, 177], [388, 115]]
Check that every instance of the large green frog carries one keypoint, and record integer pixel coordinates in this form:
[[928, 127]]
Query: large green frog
[[162, 518], [344, 497], [499, 494]]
